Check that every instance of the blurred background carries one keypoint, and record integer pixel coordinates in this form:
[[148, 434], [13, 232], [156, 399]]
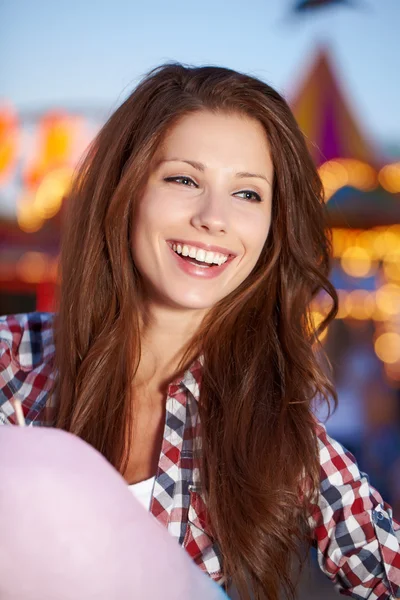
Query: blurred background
[[67, 65]]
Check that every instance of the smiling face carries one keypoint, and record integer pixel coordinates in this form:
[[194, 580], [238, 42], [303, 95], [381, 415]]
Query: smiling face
[[202, 221]]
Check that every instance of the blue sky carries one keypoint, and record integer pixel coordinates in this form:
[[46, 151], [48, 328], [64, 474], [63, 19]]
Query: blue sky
[[90, 53]]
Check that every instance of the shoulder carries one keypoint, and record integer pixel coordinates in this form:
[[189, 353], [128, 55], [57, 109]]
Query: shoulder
[[338, 465], [26, 363]]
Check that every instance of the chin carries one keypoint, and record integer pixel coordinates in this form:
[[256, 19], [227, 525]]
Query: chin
[[193, 302]]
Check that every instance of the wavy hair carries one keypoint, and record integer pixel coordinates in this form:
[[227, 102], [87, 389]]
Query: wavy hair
[[260, 462]]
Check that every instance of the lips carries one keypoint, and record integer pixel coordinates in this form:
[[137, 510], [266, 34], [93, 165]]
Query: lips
[[198, 270], [206, 247]]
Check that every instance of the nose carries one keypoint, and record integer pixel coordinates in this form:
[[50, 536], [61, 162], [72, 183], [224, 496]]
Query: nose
[[211, 214]]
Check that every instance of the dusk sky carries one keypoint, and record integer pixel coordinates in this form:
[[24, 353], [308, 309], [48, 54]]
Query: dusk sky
[[79, 53]]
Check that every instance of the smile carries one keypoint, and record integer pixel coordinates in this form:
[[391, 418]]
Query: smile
[[198, 254], [198, 262]]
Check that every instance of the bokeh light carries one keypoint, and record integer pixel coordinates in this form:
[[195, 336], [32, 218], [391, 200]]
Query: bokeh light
[[388, 299], [389, 178], [33, 267], [342, 172], [387, 347], [356, 261]]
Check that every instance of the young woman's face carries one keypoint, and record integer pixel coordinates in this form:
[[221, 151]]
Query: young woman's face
[[204, 216]]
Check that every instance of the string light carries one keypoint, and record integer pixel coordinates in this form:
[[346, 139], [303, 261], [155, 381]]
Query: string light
[[342, 172]]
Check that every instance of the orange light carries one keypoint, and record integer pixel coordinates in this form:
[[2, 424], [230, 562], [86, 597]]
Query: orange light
[[9, 141], [333, 176], [366, 240], [58, 137], [32, 267], [51, 191], [27, 217], [387, 347], [356, 262], [340, 172], [386, 242], [343, 310], [389, 178], [388, 299], [360, 305], [391, 266]]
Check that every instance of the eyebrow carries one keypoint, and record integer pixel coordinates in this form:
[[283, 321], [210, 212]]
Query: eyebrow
[[200, 167]]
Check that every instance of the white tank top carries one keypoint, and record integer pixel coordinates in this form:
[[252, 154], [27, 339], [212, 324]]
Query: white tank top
[[143, 491]]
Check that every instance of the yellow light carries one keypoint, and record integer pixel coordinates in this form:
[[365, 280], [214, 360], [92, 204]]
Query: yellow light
[[338, 173], [27, 217], [356, 262], [342, 239], [360, 175], [388, 299], [333, 176], [387, 347], [394, 229], [385, 243], [379, 315], [389, 178], [32, 267], [338, 241], [391, 265], [360, 305], [366, 240], [343, 310], [51, 191]]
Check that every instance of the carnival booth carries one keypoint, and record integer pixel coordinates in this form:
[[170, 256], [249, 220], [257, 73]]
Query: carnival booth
[[37, 156], [362, 191]]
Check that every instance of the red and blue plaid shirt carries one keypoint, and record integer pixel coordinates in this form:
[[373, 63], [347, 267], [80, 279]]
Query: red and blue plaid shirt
[[357, 538]]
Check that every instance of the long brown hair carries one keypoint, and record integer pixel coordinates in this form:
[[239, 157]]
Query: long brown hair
[[260, 463]]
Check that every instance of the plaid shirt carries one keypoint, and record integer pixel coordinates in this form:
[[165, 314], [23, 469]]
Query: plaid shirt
[[358, 540]]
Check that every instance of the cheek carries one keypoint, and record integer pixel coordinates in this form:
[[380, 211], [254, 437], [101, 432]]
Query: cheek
[[254, 233], [158, 210]]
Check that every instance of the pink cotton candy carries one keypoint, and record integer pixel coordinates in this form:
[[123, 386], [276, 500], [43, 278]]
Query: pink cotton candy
[[71, 529]]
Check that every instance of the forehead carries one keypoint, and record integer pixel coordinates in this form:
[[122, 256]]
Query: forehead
[[218, 138]]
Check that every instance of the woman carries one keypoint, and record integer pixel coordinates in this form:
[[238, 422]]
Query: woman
[[184, 348]]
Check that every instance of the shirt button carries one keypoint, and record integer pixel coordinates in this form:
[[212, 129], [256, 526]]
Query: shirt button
[[377, 516]]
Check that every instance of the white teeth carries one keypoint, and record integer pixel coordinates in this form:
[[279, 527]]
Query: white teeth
[[200, 254]]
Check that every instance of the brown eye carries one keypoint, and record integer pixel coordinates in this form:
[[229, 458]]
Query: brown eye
[[182, 180], [250, 196]]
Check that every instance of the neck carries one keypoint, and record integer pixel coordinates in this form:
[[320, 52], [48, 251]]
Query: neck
[[165, 332]]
